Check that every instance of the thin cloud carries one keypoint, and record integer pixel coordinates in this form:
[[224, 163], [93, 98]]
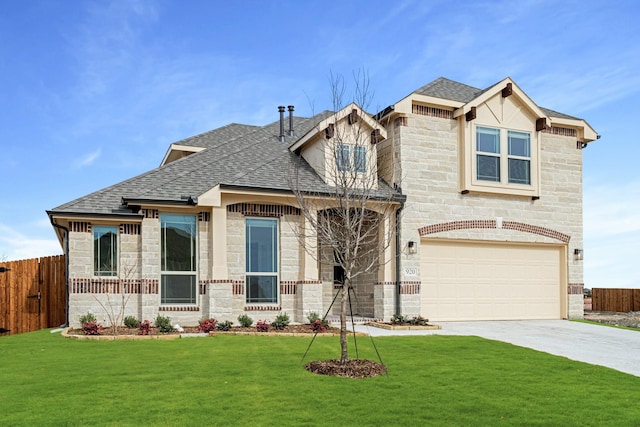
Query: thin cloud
[[15, 245], [89, 158]]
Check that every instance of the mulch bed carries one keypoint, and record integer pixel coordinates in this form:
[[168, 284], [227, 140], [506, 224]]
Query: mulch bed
[[353, 368], [291, 329]]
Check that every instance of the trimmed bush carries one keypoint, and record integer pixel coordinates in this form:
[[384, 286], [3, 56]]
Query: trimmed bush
[[87, 318], [131, 322], [224, 326], [208, 325], [281, 321], [262, 326], [245, 321], [91, 328], [163, 323], [144, 328]]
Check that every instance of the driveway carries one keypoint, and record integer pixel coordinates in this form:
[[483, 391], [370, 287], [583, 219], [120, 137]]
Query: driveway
[[598, 345]]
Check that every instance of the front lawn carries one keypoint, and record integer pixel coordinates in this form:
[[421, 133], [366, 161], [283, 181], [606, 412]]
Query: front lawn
[[259, 380]]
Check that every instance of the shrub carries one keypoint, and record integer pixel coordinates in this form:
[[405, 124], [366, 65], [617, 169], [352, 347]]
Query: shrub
[[419, 320], [208, 325], [398, 319], [262, 326], [144, 328], [319, 325], [91, 328], [281, 321], [87, 318], [245, 321], [313, 316], [224, 326], [163, 323], [131, 322]]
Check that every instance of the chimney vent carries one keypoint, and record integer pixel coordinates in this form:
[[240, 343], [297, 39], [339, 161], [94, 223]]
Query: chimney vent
[[281, 110], [290, 107]]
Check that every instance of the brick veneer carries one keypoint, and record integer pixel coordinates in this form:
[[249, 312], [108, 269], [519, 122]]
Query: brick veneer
[[492, 223]]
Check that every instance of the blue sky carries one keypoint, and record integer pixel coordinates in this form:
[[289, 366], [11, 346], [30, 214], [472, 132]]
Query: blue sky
[[93, 92]]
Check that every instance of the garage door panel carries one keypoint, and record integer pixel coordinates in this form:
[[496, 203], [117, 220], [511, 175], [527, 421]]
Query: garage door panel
[[486, 281]]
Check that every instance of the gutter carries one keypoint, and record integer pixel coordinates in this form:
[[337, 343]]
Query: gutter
[[398, 258], [66, 271]]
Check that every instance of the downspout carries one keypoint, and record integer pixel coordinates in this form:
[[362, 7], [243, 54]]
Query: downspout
[[66, 272], [398, 259]]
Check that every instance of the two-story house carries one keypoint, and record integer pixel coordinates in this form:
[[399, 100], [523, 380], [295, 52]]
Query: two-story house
[[485, 196]]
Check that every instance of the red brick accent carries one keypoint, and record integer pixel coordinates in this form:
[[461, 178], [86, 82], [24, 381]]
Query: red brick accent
[[507, 225], [256, 209], [262, 308], [288, 288], [554, 130], [178, 308], [150, 213], [575, 289], [80, 227], [113, 286], [133, 229], [424, 110], [410, 288]]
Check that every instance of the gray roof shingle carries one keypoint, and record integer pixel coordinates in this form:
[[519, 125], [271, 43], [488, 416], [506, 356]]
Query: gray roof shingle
[[235, 156], [448, 89]]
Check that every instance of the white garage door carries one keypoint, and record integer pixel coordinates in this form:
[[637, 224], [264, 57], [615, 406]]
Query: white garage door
[[486, 281]]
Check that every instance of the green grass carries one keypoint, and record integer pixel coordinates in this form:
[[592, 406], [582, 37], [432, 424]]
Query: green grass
[[46, 379]]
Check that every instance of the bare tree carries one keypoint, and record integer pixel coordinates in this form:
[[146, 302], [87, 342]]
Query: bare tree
[[115, 307], [350, 221]]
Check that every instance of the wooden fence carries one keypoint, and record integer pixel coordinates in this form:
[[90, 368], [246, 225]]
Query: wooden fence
[[32, 294], [615, 299]]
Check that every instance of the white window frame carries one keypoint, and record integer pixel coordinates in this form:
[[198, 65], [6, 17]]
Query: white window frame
[[504, 184], [116, 255], [347, 158], [275, 274], [193, 272]]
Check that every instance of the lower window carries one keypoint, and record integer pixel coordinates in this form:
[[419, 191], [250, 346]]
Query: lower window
[[262, 289], [178, 289]]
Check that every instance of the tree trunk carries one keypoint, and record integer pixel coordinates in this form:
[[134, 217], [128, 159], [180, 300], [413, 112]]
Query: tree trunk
[[344, 300]]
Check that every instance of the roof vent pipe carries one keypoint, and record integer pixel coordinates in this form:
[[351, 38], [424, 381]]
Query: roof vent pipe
[[281, 110], [290, 107]]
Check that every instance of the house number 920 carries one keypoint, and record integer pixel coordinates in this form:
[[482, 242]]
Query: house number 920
[[410, 271]]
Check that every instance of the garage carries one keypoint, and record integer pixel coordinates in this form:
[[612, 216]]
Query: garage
[[464, 280]]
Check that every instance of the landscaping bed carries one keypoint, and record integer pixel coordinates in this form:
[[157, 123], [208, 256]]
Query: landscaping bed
[[628, 320], [404, 327], [122, 332]]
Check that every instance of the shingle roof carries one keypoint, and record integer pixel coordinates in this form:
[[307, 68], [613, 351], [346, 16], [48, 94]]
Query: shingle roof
[[452, 90], [236, 156]]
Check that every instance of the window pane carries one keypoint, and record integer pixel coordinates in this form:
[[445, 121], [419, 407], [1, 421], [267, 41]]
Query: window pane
[[262, 289], [360, 159], [488, 168], [488, 140], [519, 144], [342, 157], [178, 242], [105, 251], [178, 289], [519, 171], [262, 245]]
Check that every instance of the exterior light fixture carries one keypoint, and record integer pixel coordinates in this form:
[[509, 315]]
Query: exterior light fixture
[[578, 254], [412, 248]]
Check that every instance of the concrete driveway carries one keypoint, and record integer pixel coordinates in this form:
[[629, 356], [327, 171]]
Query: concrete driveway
[[598, 345]]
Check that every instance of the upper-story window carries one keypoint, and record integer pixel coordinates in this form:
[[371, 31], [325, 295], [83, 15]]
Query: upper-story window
[[500, 150], [346, 162], [105, 251]]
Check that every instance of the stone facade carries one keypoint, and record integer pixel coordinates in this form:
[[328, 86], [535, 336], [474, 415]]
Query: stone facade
[[426, 152]]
